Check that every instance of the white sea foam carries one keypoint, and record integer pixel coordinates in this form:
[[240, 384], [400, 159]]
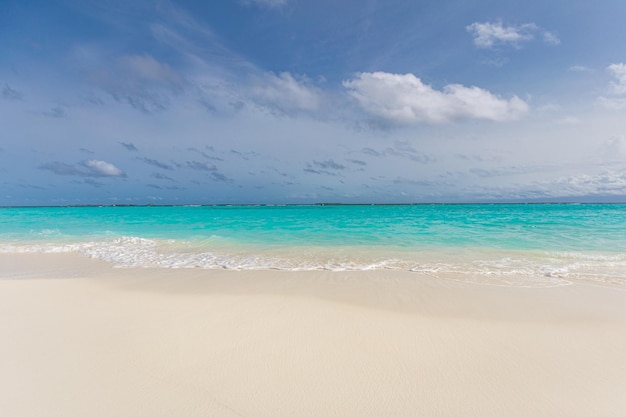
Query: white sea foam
[[520, 269]]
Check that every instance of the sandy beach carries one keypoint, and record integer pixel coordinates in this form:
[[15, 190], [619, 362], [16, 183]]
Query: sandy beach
[[81, 338]]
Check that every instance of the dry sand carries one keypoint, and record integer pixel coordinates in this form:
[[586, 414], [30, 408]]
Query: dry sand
[[80, 338]]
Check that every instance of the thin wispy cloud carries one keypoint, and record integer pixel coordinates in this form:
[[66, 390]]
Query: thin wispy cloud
[[11, 93], [491, 34], [140, 81], [487, 34], [551, 38], [264, 3], [201, 166], [219, 177], [406, 150], [329, 164], [579, 68], [56, 112], [156, 163], [129, 146], [160, 176], [146, 69], [286, 93]]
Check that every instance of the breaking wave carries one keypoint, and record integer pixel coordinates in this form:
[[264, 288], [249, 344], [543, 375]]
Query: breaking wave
[[482, 266]]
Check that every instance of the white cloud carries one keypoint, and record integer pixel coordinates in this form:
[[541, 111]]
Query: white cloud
[[405, 99], [617, 95], [90, 168], [104, 168], [286, 93], [486, 35], [618, 71]]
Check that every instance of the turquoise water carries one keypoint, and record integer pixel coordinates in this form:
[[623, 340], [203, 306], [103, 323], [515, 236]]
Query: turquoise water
[[525, 245]]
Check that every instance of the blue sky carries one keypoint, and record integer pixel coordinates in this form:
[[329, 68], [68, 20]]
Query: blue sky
[[293, 101]]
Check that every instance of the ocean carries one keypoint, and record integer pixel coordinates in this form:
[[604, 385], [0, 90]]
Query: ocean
[[526, 245]]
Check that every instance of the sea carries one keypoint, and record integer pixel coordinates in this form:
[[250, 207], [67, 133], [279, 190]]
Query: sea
[[518, 245]]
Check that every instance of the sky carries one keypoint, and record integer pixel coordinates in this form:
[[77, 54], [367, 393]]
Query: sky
[[299, 101]]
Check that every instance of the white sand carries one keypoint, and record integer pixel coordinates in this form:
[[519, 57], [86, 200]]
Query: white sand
[[79, 338]]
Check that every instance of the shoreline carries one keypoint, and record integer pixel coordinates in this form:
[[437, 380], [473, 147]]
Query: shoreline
[[432, 203], [85, 338]]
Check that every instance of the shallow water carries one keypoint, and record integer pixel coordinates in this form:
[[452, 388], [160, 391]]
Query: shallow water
[[533, 245]]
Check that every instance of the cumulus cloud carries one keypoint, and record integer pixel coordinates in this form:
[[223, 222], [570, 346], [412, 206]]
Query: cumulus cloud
[[103, 168], [286, 93], [89, 168], [487, 35], [405, 99]]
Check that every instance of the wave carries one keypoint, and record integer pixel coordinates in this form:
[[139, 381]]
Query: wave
[[516, 269]]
